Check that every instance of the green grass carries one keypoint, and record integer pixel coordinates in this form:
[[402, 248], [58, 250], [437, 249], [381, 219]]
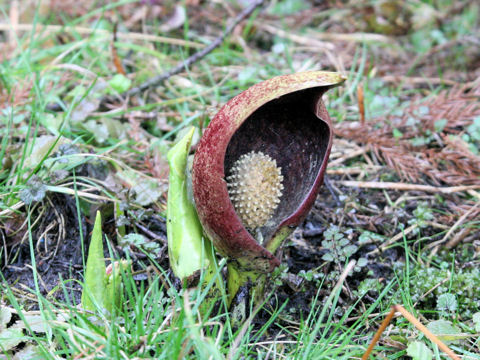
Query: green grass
[[50, 156], [160, 322]]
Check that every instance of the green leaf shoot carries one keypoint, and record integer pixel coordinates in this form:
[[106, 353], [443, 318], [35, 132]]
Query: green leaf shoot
[[188, 249], [93, 294]]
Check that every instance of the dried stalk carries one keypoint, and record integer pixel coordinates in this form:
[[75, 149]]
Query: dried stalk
[[433, 338], [406, 187]]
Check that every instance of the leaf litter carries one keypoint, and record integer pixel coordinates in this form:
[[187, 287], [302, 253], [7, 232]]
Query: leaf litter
[[429, 144]]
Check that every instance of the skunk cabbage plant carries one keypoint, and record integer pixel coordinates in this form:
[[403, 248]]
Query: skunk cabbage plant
[[258, 168]]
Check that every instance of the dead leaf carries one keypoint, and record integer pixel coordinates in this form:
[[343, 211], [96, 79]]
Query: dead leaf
[[176, 19]]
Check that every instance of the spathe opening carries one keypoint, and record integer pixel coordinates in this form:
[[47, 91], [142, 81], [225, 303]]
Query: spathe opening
[[287, 130]]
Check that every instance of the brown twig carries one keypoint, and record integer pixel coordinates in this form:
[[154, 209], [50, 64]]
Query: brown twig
[[460, 236], [416, 80], [349, 155], [53, 29], [357, 170], [433, 338], [302, 40], [353, 37], [116, 60], [455, 226], [198, 55], [406, 187], [361, 103], [455, 240], [379, 332]]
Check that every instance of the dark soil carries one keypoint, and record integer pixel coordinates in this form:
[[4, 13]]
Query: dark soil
[[61, 258], [58, 258]]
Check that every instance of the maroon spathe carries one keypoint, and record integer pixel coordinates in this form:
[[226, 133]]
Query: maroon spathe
[[268, 117]]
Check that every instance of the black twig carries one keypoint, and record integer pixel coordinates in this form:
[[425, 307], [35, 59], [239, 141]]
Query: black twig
[[198, 55]]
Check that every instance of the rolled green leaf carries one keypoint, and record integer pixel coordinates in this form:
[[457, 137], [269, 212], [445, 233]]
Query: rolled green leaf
[[114, 284], [188, 249], [95, 272]]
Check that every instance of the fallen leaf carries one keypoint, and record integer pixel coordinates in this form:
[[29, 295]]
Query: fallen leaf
[[9, 338], [417, 350], [5, 317], [446, 331], [29, 352], [176, 20]]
